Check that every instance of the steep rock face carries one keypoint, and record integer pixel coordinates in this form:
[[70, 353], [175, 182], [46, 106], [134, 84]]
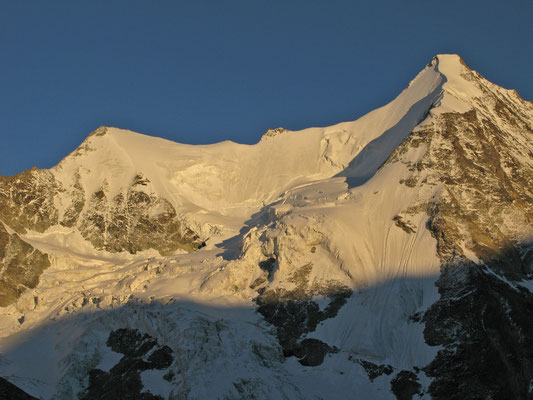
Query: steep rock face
[[27, 200], [10, 391], [296, 312], [482, 322], [482, 216], [20, 266], [481, 159], [133, 220], [141, 353]]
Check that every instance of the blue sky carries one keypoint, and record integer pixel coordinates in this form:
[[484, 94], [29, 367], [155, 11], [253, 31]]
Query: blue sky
[[205, 71]]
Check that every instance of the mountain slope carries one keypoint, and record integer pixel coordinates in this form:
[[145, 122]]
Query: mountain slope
[[389, 256], [123, 191]]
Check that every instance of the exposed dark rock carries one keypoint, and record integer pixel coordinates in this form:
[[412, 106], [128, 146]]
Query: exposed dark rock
[[258, 282], [245, 389], [416, 317], [294, 313], [130, 221], [20, 266], [77, 202], [403, 225], [139, 179], [268, 265], [312, 352], [291, 318], [134, 221], [273, 132], [8, 391], [100, 131], [405, 385], [409, 182], [484, 325], [123, 381], [374, 370], [27, 200], [485, 184]]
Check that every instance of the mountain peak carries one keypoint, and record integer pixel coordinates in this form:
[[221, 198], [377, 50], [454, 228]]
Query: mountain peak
[[450, 57], [460, 84], [448, 60], [449, 65]]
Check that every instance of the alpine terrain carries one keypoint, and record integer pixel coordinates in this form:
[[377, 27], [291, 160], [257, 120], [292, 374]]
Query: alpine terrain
[[386, 258]]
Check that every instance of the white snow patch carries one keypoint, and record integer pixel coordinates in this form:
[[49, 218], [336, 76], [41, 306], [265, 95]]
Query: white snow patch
[[153, 382], [108, 360]]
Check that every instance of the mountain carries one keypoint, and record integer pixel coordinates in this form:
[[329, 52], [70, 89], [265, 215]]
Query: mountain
[[389, 257]]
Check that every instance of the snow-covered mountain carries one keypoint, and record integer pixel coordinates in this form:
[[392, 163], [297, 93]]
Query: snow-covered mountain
[[387, 257]]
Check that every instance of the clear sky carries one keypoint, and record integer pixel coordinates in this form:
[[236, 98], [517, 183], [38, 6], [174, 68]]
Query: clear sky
[[205, 71]]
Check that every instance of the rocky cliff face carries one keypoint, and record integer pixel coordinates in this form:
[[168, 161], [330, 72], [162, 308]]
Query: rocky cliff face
[[21, 266], [482, 219], [27, 200], [482, 161], [133, 220]]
